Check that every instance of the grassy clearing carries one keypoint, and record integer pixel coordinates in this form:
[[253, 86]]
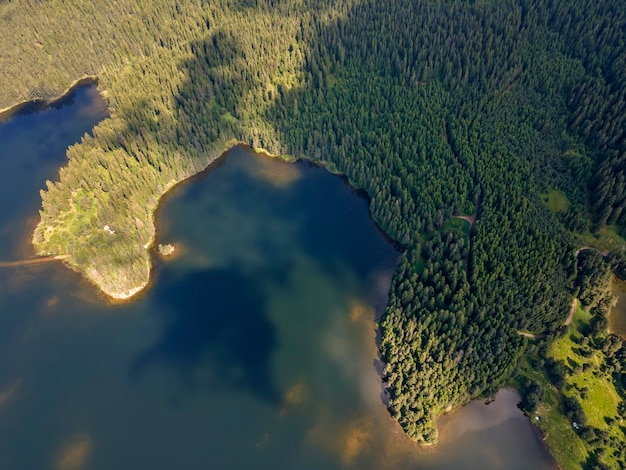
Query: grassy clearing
[[602, 399], [606, 239], [594, 389], [556, 200], [455, 222], [567, 448], [229, 118], [452, 224]]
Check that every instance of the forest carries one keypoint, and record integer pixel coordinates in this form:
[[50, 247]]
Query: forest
[[437, 109]]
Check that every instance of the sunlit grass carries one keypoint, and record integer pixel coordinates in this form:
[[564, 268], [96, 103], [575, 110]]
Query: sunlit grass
[[599, 400], [606, 239], [556, 200], [567, 448]]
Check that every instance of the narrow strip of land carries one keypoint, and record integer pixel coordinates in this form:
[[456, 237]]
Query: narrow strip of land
[[30, 261]]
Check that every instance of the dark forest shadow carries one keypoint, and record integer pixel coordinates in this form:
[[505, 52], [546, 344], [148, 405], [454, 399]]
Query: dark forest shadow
[[216, 334]]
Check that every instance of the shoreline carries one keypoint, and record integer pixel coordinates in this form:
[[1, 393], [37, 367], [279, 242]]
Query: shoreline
[[155, 261], [267, 153], [128, 292], [544, 440], [487, 400], [214, 162], [42, 104]]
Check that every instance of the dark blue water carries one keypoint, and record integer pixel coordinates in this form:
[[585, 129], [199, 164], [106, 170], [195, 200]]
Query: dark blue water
[[254, 348], [32, 149]]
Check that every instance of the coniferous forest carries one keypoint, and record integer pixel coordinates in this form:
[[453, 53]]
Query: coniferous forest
[[437, 109]]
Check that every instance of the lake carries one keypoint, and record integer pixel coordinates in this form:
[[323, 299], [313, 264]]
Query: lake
[[255, 346]]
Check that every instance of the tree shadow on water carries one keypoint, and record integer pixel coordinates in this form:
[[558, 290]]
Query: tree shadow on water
[[216, 335]]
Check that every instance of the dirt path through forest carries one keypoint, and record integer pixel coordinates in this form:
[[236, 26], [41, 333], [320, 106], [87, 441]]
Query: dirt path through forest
[[567, 321], [583, 248], [572, 311], [470, 218]]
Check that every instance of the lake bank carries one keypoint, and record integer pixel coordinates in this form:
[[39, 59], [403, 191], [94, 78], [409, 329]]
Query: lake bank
[[126, 279], [38, 104], [30, 158], [348, 424], [123, 287]]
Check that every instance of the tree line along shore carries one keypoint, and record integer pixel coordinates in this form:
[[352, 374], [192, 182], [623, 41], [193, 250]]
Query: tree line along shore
[[513, 111]]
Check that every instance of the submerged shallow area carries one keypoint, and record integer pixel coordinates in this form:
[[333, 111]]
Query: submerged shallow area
[[255, 346]]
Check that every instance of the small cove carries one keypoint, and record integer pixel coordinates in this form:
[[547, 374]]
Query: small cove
[[254, 347]]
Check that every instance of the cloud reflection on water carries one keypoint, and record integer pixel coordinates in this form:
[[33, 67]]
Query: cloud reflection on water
[[215, 333], [8, 392], [75, 454]]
